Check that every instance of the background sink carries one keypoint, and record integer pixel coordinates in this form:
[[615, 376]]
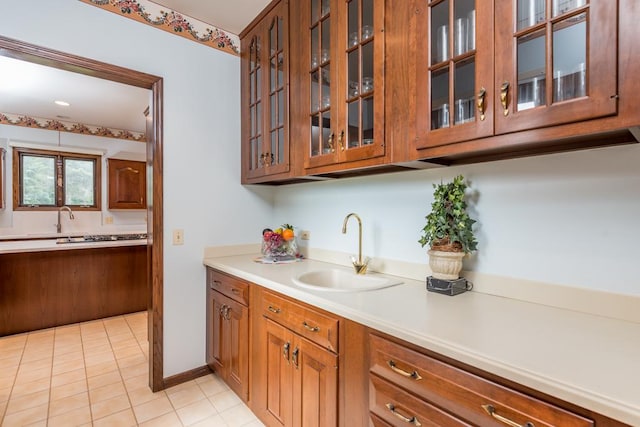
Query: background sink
[[334, 280]]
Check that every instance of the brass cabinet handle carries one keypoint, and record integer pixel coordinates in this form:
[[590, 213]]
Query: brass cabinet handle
[[310, 328], [285, 350], [492, 411], [415, 375], [341, 140], [413, 420], [294, 357], [481, 96], [331, 147], [273, 309], [235, 291], [504, 97]]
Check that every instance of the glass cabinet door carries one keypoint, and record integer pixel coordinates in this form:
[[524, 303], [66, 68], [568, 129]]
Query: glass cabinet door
[[276, 157], [254, 139], [362, 91], [454, 72], [323, 141], [556, 71], [344, 72], [265, 78]]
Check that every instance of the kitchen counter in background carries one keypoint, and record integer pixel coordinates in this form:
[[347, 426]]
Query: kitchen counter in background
[[589, 360], [43, 244]]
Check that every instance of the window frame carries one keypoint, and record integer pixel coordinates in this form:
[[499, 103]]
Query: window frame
[[60, 157]]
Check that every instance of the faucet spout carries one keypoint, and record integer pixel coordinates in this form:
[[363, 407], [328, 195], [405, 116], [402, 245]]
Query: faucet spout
[[59, 224], [359, 265]]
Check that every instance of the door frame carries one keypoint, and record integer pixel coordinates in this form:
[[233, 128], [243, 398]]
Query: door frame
[[28, 52]]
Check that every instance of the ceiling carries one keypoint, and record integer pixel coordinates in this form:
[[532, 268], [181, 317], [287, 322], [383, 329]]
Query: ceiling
[[31, 89]]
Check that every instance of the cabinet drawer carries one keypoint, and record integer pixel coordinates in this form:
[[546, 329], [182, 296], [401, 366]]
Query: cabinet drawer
[[399, 408], [304, 320], [468, 396], [229, 286]]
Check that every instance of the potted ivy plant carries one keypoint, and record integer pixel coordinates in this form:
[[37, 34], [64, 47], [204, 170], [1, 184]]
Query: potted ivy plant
[[448, 231]]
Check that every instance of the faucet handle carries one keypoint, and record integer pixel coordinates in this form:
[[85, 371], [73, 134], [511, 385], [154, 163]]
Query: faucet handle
[[360, 266]]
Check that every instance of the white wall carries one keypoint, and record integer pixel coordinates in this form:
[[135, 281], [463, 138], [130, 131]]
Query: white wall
[[568, 218], [202, 192]]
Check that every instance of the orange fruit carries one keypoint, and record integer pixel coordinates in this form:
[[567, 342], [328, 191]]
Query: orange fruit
[[287, 234]]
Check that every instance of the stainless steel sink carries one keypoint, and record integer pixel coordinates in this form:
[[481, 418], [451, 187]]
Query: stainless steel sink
[[336, 280], [101, 238]]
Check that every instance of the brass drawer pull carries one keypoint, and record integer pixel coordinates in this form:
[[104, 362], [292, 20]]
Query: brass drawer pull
[[285, 350], [415, 375], [504, 97], [273, 309], [236, 291], [413, 420], [294, 357], [310, 328], [492, 411]]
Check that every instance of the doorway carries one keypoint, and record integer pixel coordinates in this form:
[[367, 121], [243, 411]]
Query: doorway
[[72, 63]]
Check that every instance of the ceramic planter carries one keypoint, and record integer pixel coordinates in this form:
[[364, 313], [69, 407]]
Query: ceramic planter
[[445, 265]]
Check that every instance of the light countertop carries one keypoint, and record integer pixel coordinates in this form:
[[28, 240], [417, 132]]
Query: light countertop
[[17, 246], [588, 360]]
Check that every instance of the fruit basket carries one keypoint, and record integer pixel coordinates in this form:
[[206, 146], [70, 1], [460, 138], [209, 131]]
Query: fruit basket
[[279, 244]]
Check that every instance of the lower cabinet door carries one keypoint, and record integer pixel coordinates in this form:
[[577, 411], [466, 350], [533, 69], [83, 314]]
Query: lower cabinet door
[[228, 342], [278, 381], [301, 382], [216, 337], [315, 387], [236, 336]]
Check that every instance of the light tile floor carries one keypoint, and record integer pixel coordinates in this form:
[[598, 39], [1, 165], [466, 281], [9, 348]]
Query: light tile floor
[[96, 374]]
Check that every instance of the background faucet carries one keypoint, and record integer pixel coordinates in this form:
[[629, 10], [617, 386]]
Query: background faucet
[[359, 264], [59, 225]]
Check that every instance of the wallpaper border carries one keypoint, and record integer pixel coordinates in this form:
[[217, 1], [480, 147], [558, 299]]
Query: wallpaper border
[[157, 16]]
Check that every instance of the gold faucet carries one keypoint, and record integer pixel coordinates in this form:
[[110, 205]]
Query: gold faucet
[[59, 225], [359, 265]]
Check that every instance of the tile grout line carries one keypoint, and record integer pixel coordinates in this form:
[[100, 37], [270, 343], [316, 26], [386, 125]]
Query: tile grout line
[[120, 371], [15, 378]]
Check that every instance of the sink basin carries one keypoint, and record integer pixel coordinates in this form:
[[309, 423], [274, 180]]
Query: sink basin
[[334, 280]]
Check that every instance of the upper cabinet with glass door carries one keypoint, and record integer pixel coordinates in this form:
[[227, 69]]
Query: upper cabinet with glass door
[[556, 62], [455, 71], [265, 78], [490, 68], [341, 73]]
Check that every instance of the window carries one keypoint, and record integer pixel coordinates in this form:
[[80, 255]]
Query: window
[[49, 179]]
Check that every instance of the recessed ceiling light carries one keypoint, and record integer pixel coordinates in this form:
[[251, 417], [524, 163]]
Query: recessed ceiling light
[[62, 103]]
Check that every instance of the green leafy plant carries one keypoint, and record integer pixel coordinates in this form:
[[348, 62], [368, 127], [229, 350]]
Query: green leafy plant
[[449, 227]]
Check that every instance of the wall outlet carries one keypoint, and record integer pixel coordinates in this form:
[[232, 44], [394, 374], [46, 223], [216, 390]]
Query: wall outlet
[[305, 235], [178, 237], [108, 220]]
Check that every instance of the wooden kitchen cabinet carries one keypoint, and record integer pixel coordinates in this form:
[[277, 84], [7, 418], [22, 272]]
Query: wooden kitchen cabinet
[[338, 59], [228, 330], [486, 69], [266, 152], [127, 184], [297, 371], [52, 288]]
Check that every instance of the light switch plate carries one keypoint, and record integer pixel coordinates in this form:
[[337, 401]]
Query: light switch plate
[[178, 237]]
